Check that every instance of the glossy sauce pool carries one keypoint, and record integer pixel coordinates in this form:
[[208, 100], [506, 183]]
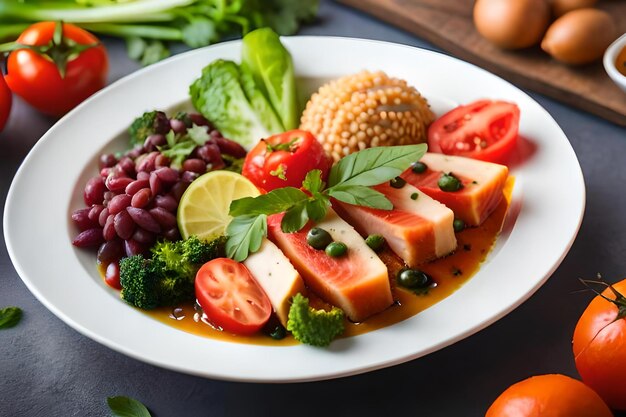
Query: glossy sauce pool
[[620, 61], [449, 274]]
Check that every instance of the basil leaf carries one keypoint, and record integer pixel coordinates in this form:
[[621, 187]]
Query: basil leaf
[[276, 201], [313, 181], [127, 407], [361, 196], [295, 218], [245, 235], [9, 317], [317, 207], [374, 166]]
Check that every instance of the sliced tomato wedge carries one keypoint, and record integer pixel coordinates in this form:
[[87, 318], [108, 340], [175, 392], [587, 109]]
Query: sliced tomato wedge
[[231, 298], [485, 130]]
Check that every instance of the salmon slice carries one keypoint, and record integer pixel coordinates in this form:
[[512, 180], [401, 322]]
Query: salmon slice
[[279, 279], [483, 183], [356, 282], [418, 229]]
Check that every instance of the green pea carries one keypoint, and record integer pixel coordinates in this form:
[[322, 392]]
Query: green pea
[[397, 182], [375, 242], [458, 225], [448, 182], [336, 249], [413, 278], [419, 167], [318, 238]]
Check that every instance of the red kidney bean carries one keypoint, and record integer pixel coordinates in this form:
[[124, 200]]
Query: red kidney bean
[[188, 176], [88, 238], [144, 219], [135, 186], [230, 147], [119, 203], [194, 165], [143, 236], [178, 126], [104, 214], [132, 247], [117, 184], [143, 175], [162, 161], [178, 189], [111, 251], [147, 163], [105, 172], [171, 234], [127, 165], [94, 191], [135, 152], [167, 201], [108, 196], [148, 146], [209, 152], [199, 119], [107, 160], [124, 225], [112, 275], [82, 220], [163, 217], [155, 184], [167, 175], [94, 213], [157, 139], [161, 123], [108, 231], [141, 198]]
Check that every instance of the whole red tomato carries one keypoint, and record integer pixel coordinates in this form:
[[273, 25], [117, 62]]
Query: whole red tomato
[[283, 160], [5, 102], [36, 74], [600, 345]]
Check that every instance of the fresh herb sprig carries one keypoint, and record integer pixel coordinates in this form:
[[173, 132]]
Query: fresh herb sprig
[[9, 317], [349, 181], [127, 407]]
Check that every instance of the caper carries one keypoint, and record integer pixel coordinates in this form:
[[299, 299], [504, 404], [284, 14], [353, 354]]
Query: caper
[[278, 333], [448, 182], [397, 182], [458, 225], [375, 242], [336, 249], [419, 167], [318, 238], [413, 278]]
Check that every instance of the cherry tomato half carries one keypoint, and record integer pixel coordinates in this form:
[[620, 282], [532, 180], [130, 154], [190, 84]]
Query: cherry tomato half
[[231, 298], [36, 78], [283, 160], [549, 395], [600, 347], [5, 102], [485, 130]]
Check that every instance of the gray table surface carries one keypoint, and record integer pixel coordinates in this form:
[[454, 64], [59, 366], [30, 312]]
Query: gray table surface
[[48, 369]]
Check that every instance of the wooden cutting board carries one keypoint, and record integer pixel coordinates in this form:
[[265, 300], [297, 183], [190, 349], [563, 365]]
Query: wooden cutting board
[[448, 24]]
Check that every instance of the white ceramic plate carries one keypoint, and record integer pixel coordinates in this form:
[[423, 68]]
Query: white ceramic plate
[[546, 213]]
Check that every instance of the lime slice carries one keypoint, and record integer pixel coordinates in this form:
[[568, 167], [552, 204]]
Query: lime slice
[[203, 208]]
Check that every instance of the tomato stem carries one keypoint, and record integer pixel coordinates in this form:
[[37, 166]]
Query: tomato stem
[[619, 301]]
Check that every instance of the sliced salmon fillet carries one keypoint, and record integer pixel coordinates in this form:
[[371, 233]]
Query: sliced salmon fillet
[[418, 229], [483, 183], [357, 282]]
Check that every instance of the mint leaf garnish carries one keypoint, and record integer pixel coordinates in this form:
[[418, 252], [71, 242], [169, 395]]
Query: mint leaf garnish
[[127, 407], [9, 317]]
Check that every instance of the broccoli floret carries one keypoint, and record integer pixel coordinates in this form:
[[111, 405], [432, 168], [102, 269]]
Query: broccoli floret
[[139, 282], [199, 252], [147, 124], [311, 326]]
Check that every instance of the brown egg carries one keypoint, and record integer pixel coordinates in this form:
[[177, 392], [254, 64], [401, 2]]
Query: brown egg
[[512, 24], [560, 7], [580, 36]]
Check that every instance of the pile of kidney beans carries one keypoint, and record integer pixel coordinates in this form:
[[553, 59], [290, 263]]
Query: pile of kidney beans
[[133, 202]]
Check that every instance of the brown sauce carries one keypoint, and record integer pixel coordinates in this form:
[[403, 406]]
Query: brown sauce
[[449, 274], [620, 62]]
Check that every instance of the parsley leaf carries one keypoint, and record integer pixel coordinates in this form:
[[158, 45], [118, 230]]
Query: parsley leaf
[[317, 207], [361, 196], [179, 152], [295, 218], [374, 166], [9, 317], [313, 181], [127, 407], [276, 201], [245, 235]]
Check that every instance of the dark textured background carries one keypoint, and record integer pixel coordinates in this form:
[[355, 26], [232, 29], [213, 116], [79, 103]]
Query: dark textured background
[[48, 369]]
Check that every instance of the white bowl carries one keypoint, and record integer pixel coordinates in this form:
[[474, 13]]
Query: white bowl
[[610, 55]]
